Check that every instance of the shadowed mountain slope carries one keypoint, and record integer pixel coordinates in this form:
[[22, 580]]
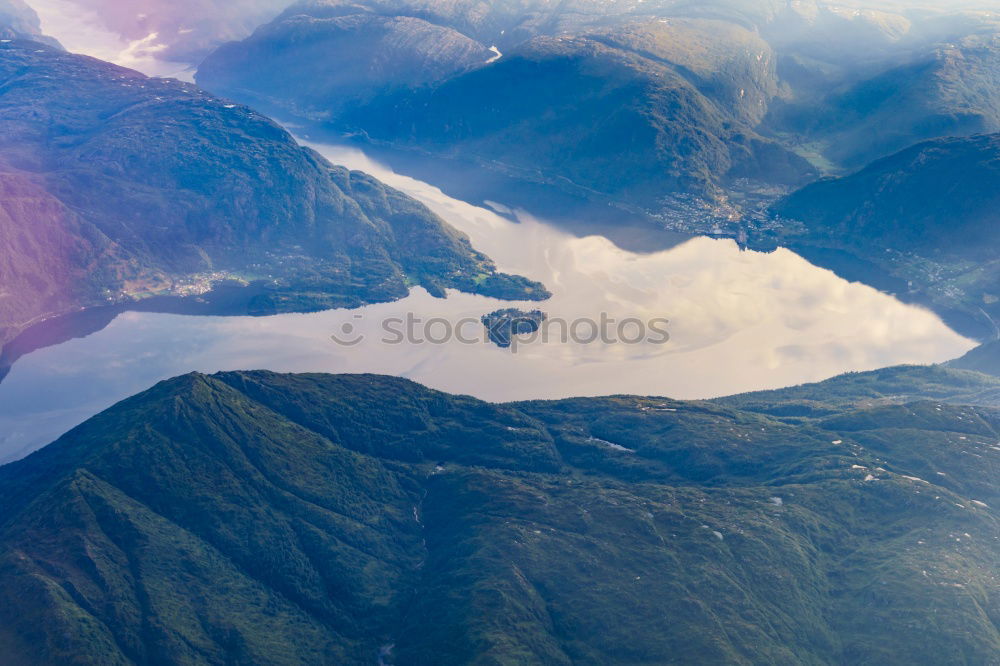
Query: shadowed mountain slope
[[938, 197]]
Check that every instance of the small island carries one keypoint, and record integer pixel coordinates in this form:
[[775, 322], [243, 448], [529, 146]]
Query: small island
[[503, 325]]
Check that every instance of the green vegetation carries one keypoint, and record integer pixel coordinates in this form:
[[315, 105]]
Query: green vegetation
[[862, 390], [261, 518], [503, 325]]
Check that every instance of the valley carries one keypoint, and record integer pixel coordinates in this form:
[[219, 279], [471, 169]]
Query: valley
[[488, 332]]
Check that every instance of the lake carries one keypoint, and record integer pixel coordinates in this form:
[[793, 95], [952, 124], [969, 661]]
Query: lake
[[738, 321]]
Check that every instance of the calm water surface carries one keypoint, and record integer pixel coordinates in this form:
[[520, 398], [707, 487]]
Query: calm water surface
[[739, 321]]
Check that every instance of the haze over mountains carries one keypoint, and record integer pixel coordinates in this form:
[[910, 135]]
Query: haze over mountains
[[318, 519], [901, 79], [18, 20], [648, 104], [181, 30]]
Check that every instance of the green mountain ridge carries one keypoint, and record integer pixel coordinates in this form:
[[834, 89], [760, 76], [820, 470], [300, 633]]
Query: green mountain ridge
[[265, 518]]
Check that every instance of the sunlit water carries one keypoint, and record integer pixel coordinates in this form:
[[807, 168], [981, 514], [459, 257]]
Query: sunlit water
[[739, 321]]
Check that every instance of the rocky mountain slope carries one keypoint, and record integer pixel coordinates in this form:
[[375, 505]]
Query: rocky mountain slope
[[116, 187], [264, 518]]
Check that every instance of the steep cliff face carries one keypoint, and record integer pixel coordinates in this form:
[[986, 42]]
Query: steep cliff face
[[261, 518], [120, 187]]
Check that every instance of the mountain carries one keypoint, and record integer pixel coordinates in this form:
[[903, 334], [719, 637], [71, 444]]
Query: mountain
[[644, 112], [591, 117], [259, 518], [372, 53], [928, 214], [507, 24], [19, 21], [686, 110], [985, 358], [937, 198], [927, 77], [115, 188], [860, 391]]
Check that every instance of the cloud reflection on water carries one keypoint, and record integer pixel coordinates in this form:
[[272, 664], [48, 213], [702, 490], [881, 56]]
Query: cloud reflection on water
[[740, 321]]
